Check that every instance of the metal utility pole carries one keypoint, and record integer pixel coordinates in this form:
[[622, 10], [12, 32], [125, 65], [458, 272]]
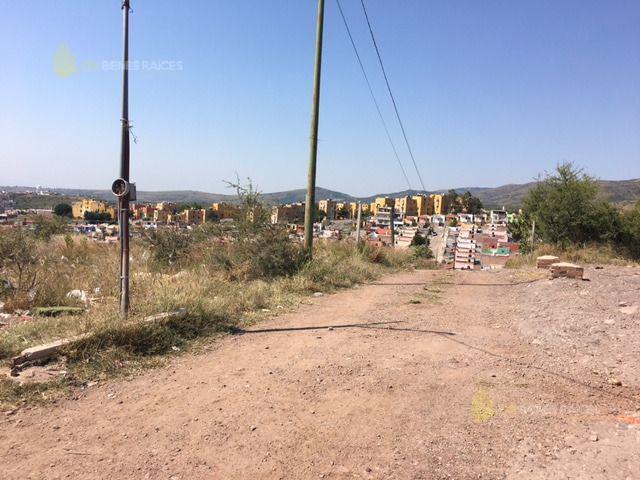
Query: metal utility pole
[[311, 180], [393, 227], [123, 200], [358, 224]]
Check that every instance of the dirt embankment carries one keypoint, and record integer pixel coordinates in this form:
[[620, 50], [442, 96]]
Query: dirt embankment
[[412, 377]]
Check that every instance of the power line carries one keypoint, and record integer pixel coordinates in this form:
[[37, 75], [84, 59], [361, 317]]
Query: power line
[[393, 100], [373, 97]]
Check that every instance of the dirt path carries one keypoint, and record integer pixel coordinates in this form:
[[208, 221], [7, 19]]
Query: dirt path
[[362, 384]]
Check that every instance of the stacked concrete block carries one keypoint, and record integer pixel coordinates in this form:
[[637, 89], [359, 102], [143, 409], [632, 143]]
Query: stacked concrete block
[[545, 261]]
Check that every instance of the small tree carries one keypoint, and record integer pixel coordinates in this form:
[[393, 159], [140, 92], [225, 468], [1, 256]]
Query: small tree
[[18, 260], [566, 209], [45, 228], [63, 210]]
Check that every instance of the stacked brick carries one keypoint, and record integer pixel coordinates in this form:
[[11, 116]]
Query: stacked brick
[[569, 270], [545, 261]]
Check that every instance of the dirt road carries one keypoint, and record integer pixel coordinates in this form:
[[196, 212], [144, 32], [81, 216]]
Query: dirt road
[[390, 380]]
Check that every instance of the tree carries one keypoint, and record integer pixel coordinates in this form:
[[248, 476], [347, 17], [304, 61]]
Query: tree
[[566, 209], [419, 240], [63, 210], [97, 216], [470, 203], [18, 259], [631, 231], [520, 230], [451, 201]]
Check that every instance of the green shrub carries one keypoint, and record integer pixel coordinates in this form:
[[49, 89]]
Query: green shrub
[[421, 251], [631, 231], [168, 246]]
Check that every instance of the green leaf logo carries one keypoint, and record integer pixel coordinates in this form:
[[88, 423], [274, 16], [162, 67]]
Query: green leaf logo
[[64, 63]]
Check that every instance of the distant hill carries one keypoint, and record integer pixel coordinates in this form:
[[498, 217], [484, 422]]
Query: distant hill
[[623, 192]]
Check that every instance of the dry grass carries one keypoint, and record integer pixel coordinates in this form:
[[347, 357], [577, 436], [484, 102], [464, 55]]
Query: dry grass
[[216, 304], [597, 254]]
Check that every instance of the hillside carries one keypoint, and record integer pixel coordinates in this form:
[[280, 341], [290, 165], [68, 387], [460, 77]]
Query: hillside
[[624, 192]]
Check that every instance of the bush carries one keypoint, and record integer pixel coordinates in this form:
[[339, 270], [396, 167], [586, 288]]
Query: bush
[[567, 210], [631, 231], [421, 251], [168, 246], [267, 253], [18, 262], [45, 228]]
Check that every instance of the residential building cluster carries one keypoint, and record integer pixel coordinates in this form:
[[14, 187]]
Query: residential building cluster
[[168, 213], [479, 242]]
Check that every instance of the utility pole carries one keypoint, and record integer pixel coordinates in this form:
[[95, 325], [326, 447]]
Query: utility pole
[[359, 222], [393, 227], [123, 200], [313, 154], [533, 233]]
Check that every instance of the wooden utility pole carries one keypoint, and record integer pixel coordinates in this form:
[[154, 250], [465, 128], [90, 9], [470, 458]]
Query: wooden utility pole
[[310, 204], [123, 201], [359, 222]]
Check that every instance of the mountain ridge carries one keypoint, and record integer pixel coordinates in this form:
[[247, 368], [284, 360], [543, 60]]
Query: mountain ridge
[[509, 195]]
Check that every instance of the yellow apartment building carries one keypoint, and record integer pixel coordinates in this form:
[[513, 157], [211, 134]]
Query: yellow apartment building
[[78, 209], [438, 204], [225, 210], [290, 213], [422, 204], [328, 206], [381, 202], [407, 206]]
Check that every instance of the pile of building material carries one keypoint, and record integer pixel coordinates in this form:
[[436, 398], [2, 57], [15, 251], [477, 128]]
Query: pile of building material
[[545, 261], [569, 270]]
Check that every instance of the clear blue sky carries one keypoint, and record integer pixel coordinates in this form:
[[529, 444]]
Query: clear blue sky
[[491, 92]]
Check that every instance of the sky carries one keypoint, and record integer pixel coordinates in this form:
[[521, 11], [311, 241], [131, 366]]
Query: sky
[[490, 92]]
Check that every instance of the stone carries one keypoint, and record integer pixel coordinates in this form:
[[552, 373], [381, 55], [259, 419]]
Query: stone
[[629, 310], [616, 382], [318, 294]]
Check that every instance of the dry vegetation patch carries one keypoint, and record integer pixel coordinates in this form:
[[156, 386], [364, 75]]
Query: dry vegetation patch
[[220, 283]]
